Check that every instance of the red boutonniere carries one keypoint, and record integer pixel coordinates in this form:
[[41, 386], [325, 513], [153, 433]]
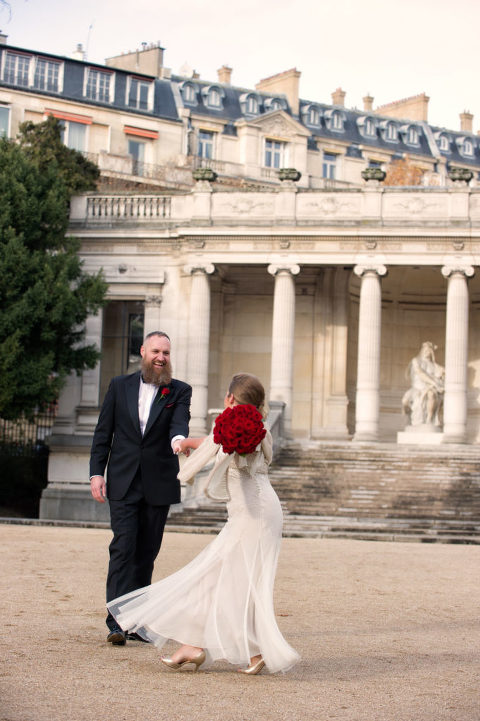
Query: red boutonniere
[[164, 393], [239, 429]]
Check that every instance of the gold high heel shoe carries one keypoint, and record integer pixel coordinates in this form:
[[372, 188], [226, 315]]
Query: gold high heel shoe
[[254, 668], [196, 661]]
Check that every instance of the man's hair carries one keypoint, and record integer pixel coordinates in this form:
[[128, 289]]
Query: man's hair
[[156, 332]]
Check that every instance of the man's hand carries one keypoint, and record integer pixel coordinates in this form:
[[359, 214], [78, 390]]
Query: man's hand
[[178, 447], [98, 488]]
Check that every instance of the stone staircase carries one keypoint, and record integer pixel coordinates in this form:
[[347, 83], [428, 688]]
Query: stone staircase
[[377, 491]]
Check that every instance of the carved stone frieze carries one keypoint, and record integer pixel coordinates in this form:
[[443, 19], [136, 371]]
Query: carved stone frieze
[[277, 126], [244, 204], [326, 206]]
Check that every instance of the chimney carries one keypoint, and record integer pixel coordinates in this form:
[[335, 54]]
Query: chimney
[[224, 74], [286, 83], [78, 53], [466, 121], [3, 38], [338, 97], [368, 103]]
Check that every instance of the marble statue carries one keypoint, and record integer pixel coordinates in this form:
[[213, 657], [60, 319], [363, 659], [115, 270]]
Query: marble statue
[[424, 399]]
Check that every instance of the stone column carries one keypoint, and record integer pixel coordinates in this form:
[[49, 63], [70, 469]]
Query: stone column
[[198, 344], [368, 368], [283, 334], [456, 353], [152, 309]]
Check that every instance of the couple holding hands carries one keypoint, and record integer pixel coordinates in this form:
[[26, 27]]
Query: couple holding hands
[[220, 605]]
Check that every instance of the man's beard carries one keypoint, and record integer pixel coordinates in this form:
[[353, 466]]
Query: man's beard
[[158, 376]]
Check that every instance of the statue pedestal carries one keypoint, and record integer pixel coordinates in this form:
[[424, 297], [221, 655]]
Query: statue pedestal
[[424, 434]]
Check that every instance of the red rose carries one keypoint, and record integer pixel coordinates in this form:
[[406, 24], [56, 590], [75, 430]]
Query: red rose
[[165, 392], [239, 429]]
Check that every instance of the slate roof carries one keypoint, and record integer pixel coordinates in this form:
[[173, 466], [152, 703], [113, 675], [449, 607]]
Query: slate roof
[[170, 95], [164, 105]]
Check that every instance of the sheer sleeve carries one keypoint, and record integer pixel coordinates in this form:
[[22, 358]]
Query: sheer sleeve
[[198, 460]]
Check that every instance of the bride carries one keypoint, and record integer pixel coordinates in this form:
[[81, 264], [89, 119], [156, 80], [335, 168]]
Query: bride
[[220, 605]]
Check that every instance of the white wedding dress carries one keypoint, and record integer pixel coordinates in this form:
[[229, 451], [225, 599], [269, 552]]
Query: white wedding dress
[[222, 601]]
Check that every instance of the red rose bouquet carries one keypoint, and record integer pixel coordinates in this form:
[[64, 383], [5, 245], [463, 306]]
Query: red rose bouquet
[[239, 429]]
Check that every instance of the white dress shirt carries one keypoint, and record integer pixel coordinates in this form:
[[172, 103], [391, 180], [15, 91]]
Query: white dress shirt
[[146, 395]]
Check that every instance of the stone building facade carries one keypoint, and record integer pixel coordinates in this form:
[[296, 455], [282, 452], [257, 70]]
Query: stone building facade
[[326, 295], [321, 282]]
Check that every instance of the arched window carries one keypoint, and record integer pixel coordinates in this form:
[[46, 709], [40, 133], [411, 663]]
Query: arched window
[[189, 94], [337, 121], [392, 131], [252, 104], [444, 143], [412, 135], [213, 98]]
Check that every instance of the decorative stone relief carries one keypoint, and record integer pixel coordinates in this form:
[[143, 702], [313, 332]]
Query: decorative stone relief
[[277, 126], [415, 205], [325, 206], [243, 205]]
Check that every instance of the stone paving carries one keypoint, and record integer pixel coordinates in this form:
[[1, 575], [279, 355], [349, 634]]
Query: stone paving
[[387, 632]]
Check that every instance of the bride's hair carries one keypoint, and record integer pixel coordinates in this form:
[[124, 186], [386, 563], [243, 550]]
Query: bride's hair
[[246, 388]]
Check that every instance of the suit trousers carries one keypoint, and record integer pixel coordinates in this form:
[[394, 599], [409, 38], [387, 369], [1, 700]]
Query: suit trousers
[[137, 536]]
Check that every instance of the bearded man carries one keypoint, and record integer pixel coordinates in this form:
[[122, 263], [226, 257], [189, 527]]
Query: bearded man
[[143, 418]]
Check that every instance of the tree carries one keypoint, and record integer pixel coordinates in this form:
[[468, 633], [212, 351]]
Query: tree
[[45, 295], [403, 172], [42, 143]]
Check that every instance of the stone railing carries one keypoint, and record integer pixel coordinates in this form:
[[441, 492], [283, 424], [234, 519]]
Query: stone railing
[[128, 207], [275, 424], [456, 207]]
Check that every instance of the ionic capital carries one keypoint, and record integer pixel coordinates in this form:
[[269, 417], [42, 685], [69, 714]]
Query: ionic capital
[[376, 268], [291, 268], [207, 268], [457, 269]]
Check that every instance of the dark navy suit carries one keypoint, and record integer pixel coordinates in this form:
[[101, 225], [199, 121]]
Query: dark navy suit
[[141, 475]]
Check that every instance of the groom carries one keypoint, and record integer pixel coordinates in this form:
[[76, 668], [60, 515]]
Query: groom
[[143, 418]]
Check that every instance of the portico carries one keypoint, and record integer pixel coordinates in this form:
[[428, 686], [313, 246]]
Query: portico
[[326, 296]]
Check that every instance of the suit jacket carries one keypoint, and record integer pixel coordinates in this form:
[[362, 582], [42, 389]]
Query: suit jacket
[[118, 441]]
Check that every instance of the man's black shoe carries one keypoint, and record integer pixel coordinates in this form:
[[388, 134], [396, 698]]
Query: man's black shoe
[[116, 637], [130, 636]]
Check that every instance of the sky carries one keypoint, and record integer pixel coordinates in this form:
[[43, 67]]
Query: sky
[[390, 49]]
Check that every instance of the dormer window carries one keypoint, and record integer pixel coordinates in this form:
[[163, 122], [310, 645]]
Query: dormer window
[[467, 147], [444, 144], [370, 129], [139, 94], [16, 69], [252, 105], [411, 135], [335, 120], [189, 93], [99, 85], [213, 97], [391, 132], [272, 104], [311, 115], [249, 103], [367, 126], [34, 72]]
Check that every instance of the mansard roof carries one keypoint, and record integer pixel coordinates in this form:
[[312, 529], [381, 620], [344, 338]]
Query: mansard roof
[[164, 105], [355, 129]]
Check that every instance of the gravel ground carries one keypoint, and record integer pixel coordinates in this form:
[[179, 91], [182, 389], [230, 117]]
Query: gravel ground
[[387, 632]]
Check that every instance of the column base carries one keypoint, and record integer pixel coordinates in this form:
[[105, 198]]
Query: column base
[[365, 437], [72, 504]]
